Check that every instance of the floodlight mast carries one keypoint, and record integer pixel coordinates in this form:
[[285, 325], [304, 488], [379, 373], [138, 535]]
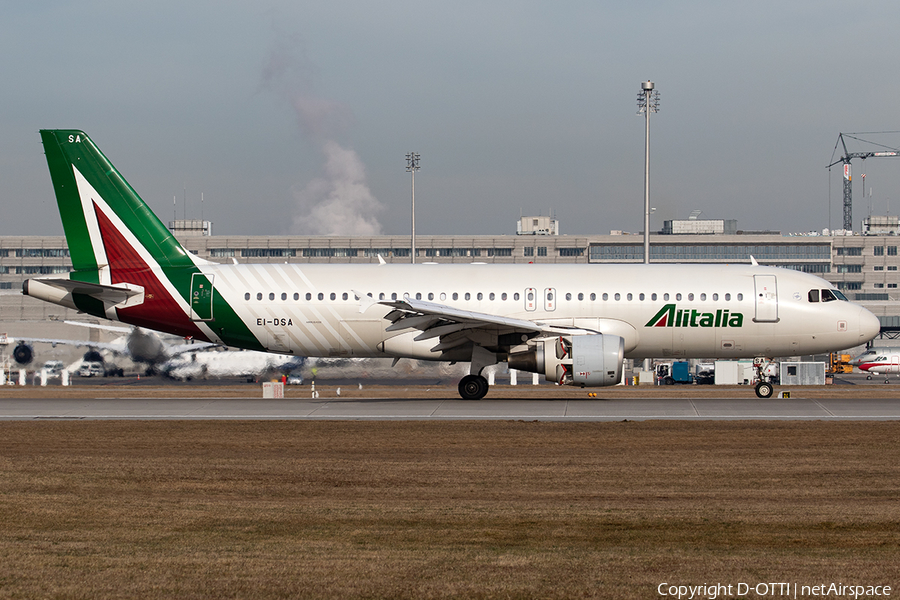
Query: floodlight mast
[[648, 102], [412, 165]]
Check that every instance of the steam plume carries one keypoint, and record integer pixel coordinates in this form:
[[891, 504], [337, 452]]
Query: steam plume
[[338, 201]]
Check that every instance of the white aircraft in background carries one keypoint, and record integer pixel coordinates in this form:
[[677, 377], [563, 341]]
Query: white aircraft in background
[[573, 323], [229, 363], [872, 353], [884, 360], [138, 345]]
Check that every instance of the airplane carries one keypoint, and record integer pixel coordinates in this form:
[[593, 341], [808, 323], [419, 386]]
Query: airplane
[[871, 353], [879, 361], [573, 323], [229, 363], [135, 343]]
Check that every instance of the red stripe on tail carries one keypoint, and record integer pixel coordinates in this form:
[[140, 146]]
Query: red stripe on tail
[[159, 310]]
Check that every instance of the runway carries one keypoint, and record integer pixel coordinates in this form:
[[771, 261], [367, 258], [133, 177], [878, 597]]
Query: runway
[[154, 408]]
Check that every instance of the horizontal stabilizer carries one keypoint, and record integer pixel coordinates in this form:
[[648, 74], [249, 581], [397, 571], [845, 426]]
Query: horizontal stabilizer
[[121, 294]]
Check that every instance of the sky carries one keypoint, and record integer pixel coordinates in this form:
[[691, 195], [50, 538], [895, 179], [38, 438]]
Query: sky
[[296, 117]]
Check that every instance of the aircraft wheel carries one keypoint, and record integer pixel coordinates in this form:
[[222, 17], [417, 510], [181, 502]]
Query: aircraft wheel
[[764, 389], [868, 377], [473, 387]]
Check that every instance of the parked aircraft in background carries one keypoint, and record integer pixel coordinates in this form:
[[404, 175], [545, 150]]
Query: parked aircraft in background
[[230, 363], [138, 345], [879, 361], [872, 353], [573, 323]]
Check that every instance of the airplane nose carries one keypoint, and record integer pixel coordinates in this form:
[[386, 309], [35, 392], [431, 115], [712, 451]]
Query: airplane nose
[[869, 326]]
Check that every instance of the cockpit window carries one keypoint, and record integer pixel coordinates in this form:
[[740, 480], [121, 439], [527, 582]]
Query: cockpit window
[[813, 295], [839, 295], [828, 296]]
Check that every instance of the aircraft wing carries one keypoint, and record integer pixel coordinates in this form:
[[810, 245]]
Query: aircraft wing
[[116, 348], [456, 327]]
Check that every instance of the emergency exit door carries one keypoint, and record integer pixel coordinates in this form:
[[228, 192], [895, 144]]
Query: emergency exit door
[[201, 297]]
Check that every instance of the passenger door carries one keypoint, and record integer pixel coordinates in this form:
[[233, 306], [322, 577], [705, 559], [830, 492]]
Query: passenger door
[[766, 294]]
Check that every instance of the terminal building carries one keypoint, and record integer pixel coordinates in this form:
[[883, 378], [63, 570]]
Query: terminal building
[[864, 266]]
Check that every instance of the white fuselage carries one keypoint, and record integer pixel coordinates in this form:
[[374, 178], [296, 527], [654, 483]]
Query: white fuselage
[[659, 310]]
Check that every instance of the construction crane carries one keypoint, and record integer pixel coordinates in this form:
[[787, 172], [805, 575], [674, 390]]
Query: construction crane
[[848, 194]]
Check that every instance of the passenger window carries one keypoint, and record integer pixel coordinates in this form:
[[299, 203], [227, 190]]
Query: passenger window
[[333, 296], [516, 296], [702, 297], [569, 296], [580, 296], [344, 295], [480, 296], [593, 296], [431, 295], [641, 296], [247, 296], [813, 295], [653, 297], [727, 297], [418, 295], [665, 297], [605, 296], [618, 296], [455, 296], [271, 295], [503, 296], [677, 296], [468, 296], [491, 296], [443, 295], [740, 297], [393, 295], [691, 297], [284, 295], [381, 296], [629, 296], [259, 296], [715, 297], [308, 296], [321, 296], [296, 296]]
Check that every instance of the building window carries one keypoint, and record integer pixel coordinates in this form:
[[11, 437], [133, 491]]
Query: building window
[[879, 250], [542, 250], [529, 251], [892, 250], [848, 251], [571, 251]]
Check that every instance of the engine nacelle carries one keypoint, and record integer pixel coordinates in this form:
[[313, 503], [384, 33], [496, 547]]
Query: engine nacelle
[[23, 353], [585, 360]]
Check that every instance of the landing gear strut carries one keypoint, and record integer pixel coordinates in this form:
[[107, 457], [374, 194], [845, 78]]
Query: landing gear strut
[[473, 387]]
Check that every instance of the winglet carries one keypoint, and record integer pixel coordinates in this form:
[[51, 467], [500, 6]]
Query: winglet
[[753, 261]]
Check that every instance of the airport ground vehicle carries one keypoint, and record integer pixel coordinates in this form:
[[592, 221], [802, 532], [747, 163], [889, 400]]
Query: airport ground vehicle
[[676, 372]]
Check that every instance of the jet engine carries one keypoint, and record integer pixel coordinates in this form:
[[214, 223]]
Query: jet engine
[[585, 360], [23, 353]]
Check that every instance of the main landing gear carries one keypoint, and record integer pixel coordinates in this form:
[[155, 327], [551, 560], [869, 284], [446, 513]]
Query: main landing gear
[[473, 387]]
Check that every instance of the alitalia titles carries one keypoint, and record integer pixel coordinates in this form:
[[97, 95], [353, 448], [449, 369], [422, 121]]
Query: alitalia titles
[[672, 316]]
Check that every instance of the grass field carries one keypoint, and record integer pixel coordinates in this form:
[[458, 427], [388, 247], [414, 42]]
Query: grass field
[[442, 510]]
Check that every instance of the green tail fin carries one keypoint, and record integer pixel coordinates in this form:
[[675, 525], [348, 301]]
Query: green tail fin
[[100, 211]]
